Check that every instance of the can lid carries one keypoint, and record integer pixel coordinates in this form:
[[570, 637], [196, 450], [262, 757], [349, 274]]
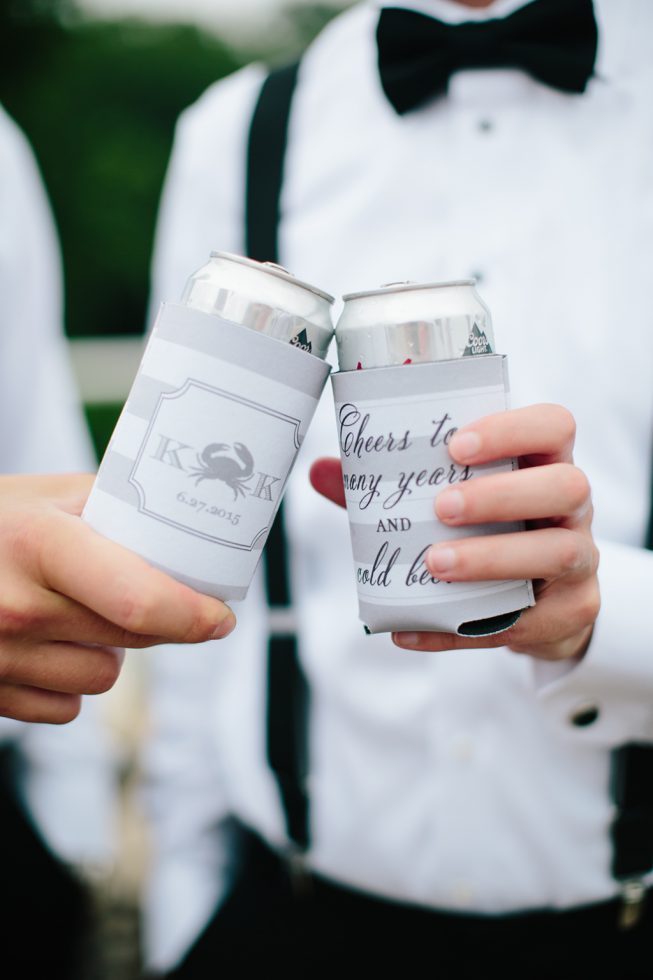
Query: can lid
[[274, 269], [400, 287]]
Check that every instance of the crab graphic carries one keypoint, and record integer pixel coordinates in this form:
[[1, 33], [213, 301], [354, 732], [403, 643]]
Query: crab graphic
[[213, 464]]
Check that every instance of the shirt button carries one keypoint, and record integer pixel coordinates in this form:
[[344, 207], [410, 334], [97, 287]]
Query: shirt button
[[485, 125], [584, 715]]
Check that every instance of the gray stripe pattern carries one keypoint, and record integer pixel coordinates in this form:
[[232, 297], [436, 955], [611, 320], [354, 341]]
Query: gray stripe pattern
[[482, 371], [238, 345], [414, 537], [144, 396], [392, 475], [416, 473], [156, 496], [230, 593], [113, 478]]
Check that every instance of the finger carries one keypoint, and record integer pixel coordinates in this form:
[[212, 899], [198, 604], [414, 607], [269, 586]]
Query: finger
[[556, 628], [37, 705], [560, 492], [68, 668], [40, 614], [37, 613], [326, 477], [71, 494], [539, 554], [437, 642], [68, 490], [559, 625], [539, 433], [121, 587]]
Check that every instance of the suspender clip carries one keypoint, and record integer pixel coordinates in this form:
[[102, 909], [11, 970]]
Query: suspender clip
[[299, 872], [633, 900]]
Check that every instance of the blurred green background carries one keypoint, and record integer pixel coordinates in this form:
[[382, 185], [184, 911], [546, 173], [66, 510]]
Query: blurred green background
[[98, 100]]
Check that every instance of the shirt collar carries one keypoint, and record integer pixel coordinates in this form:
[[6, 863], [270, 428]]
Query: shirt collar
[[617, 23], [455, 13]]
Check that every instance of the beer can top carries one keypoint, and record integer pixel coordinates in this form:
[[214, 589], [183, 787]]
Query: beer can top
[[273, 269], [265, 297], [402, 287], [410, 322]]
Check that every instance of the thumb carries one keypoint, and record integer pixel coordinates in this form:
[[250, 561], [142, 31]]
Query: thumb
[[326, 477]]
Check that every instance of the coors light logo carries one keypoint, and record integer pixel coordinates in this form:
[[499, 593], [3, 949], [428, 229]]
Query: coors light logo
[[477, 342], [302, 341]]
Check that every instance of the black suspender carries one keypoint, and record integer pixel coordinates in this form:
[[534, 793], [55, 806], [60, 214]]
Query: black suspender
[[632, 765], [287, 694], [632, 827], [265, 159]]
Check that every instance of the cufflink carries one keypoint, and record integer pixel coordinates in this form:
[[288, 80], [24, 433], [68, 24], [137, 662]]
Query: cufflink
[[585, 714]]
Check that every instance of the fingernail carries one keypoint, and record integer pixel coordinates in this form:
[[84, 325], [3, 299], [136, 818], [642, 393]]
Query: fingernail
[[406, 639], [449, 505], [224, 628], [440, 559], [466, 445]]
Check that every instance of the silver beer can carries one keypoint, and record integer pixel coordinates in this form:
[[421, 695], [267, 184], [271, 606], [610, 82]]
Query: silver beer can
[[411, 323], [394, 427], [224, 395], [265, 297]]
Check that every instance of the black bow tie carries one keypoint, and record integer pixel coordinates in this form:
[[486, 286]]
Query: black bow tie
[[553, 40]]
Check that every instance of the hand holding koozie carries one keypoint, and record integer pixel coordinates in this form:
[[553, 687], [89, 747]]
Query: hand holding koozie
[[417, 363], [558, 552], [524, 463]]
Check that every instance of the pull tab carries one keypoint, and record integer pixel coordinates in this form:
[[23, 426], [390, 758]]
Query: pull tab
[[275, 265], [633, 900]]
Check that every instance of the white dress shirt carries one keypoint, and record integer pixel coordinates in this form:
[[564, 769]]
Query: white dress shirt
[[451, 780], [67, 781]]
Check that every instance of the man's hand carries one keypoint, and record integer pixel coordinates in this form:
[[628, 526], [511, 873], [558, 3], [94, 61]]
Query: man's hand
[[557, 551], [69, 598]]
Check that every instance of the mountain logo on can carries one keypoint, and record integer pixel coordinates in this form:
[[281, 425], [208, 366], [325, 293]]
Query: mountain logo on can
[[477, 342], [302, 341]]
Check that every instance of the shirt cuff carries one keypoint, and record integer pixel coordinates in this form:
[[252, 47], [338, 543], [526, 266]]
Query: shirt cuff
[[606, 698]]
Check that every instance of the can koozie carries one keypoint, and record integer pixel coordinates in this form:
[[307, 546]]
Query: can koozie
[[196, 467], [394, 426]]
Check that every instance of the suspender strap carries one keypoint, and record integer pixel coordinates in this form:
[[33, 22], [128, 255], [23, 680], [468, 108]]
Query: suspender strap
[[632, 793], [632, 830], [287, 690], [265, 159], [649, 529], [287, 722]]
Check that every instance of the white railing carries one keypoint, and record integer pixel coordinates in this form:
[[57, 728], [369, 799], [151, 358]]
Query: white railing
[[105, 366]]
